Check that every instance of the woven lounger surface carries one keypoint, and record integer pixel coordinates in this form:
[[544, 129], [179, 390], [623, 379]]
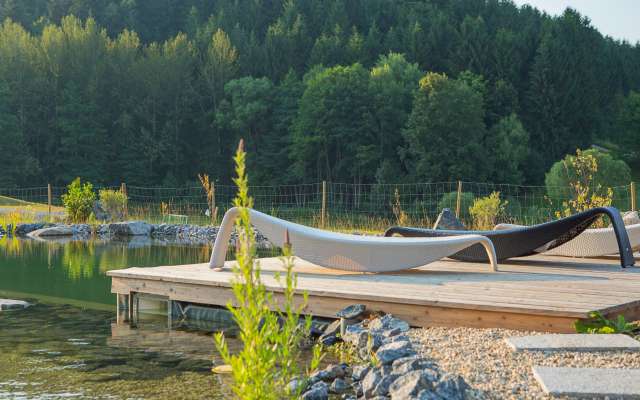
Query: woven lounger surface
[[527, 240]]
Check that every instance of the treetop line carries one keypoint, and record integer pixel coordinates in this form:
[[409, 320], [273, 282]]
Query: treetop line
[[371, 91]]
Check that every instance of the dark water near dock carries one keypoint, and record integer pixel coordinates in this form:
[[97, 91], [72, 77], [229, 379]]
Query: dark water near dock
[[68, 345]]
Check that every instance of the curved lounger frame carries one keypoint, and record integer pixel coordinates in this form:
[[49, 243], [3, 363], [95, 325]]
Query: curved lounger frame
[[349, 252], [528, 240]]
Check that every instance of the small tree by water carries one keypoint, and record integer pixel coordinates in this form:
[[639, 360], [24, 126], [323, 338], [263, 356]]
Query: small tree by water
[[271, 353], [78, 200]]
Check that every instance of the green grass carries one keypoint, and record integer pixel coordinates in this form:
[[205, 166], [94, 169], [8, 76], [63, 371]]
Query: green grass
[[10, 201], [19, 205]]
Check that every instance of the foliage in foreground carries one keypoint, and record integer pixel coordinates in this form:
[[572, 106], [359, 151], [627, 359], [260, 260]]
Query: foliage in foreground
[[271, 341], [78, 200], [599, 324]]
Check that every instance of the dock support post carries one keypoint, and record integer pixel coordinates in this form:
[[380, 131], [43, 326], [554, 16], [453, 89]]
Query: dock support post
[[122, 308]]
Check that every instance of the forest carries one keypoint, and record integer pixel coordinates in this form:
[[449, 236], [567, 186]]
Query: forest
[[153, 92]]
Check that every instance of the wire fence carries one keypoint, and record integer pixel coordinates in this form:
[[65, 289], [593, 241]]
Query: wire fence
[[341, 206]]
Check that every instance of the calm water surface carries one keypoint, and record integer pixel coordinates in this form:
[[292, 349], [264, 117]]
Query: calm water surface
[[68, 346]]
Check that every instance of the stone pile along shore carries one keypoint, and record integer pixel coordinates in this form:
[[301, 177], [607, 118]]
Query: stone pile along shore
[[185, 233], [387, 366]]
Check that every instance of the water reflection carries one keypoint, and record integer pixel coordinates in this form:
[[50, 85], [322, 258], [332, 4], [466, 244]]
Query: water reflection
[[57, 350], [75, 270]]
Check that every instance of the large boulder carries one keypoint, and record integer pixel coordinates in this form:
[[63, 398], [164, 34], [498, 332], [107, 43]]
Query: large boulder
[[130, 228], [448, 221], [24, 229], [52, 231]]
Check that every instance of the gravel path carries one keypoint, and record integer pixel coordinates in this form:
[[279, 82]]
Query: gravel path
[[483, 358]]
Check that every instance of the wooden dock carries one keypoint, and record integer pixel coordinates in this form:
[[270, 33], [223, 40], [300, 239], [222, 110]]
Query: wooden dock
[[533, 293]]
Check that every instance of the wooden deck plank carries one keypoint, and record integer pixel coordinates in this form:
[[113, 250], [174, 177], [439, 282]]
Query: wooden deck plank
[[531, 293]]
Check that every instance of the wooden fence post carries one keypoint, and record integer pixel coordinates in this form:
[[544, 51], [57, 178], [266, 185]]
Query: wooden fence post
[[324, 204], [49, 199], [633, 196], [458, 199], [123, 190], [214, 209]]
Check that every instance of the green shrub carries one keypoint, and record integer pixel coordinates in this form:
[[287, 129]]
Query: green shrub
[[586, 178], [114, 202], [270, 351], [448, 200], [79, 201], [608, 172], [485, 211], [599, 324]]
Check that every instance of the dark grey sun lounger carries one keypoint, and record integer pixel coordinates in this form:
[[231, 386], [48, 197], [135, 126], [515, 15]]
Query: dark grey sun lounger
[[528, 240]]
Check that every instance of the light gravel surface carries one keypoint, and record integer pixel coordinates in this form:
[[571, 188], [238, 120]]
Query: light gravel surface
[[487, 363]]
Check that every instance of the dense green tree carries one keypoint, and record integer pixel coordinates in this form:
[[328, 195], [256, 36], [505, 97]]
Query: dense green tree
[[333, 136], [628, 125], [392, 86], [446, 132], [509, 143], [134, 90]]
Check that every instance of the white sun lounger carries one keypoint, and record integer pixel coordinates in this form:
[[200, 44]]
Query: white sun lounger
[[348, 252]]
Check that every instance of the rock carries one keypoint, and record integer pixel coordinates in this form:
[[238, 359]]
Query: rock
[[328, 340], [383, 387], [452, 387], [410, 384], [298, 385], [405, 365], [339, 386], [356, 335], [319, 391], [391, 332], [332, 371], [23, 229], [388, 322], [428, 394], [390, 352], [317, 328], [58, 230], [9, 304], [99, 213], [448, 221], [352, 311], [371, 381], [332, 329], [130, 228], [397, 338], [359, 372]]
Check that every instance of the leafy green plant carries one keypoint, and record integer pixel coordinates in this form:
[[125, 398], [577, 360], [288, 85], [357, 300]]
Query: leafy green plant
[[486, 210], [599, 324], [586, 191], [78, 200], [114, 202], [271, 340]]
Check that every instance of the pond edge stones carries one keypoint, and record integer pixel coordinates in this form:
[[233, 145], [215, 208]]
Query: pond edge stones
[[9, 304], [395, 370]]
